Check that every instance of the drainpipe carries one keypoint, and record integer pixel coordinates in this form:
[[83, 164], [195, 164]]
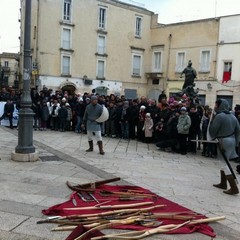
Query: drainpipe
[[217, 49], [168, 61], [37, 46]]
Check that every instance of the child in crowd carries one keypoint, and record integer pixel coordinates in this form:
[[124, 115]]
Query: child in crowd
[[148, 128]]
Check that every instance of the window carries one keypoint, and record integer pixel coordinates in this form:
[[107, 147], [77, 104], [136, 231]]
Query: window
[[130, 93], [155, 81], [5, 81], [229, 98], [227, 71], [137, 59], [67, 10], [205, 61], [202, 99], [6, 63], [101, 69], [34, 66], [180, 61], [138, 29], [157, 61], [66, 39], [66, 65], [101, 44], [102, 18]]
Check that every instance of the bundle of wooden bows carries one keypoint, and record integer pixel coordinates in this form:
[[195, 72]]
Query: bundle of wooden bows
[[137, 213]]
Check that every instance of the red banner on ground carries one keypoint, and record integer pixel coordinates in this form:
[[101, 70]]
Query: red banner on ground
[[108, 194]]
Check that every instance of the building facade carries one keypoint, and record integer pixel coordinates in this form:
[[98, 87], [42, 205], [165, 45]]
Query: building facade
[[81, 45], [9, 71], [178, 43], [119, 48], [228, 64]]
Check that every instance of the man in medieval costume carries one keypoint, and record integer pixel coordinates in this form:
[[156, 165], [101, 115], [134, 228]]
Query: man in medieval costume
[[225, 128], [92, 113]]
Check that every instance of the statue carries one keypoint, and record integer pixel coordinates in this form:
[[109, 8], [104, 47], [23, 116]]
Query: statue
[[190, 74], [189, 91]]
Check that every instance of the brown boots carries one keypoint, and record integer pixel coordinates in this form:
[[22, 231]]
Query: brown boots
[[100, 146], [223, 184], [233, 186], [90, 146]]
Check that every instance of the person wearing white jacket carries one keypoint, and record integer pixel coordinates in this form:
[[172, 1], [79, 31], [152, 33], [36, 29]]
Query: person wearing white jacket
[[148, 128]]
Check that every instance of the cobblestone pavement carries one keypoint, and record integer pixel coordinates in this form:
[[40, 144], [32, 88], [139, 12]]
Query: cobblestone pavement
[[28, 187]]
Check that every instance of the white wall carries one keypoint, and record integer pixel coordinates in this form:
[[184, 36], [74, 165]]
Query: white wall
[[229, 29]]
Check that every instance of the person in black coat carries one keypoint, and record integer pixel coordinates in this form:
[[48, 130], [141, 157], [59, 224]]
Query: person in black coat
[[118, 118], [111, 122], [171, 136], [8, 112], [79, 112], [133, 119], [125, 120], [36, 107], [44, 115], [194, 129], [62, 115]]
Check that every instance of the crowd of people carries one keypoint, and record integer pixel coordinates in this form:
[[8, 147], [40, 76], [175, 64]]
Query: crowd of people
[[178, 123], [170, 122]]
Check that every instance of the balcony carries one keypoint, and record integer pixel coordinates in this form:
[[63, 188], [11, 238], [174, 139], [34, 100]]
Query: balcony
[[6, 69], [154, 74]]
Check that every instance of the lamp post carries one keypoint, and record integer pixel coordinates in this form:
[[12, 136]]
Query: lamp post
[[25, 151], [1, 79]]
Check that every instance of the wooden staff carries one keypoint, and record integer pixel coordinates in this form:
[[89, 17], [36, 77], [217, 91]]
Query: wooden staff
[[121, 211], [120, 206], [103, 214], [132, 220], [143, 233], [127, 194], [162, 229], [110, 225], [221, 150], [90, 223]]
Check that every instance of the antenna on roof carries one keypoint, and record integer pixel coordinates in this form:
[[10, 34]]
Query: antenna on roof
[[215, 9]]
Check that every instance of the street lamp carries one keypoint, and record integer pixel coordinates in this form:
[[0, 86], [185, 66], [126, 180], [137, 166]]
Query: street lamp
[[25, 151], [1, 78]]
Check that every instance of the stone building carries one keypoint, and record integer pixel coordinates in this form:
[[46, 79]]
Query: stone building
[[119, 48], [86, 44], [9, 70]]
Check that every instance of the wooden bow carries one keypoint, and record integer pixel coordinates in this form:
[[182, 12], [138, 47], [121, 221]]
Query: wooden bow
[[162, 229]]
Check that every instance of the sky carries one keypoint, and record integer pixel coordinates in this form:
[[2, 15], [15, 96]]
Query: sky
[[169, 11], [9, 25]]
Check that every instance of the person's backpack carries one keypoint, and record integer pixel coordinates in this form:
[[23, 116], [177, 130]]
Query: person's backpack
[[238, 168]]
